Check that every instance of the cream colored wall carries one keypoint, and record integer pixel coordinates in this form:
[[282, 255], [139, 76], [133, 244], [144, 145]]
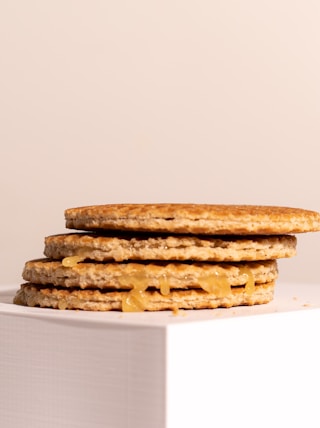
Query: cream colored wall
[[155, 101]]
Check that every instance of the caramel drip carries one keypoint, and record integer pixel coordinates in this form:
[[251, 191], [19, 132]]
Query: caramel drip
[[72, 261], [136, 299], [250, 284], [164, 285]]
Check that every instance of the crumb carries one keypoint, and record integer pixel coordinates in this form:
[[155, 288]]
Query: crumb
[[175, 311], [294, 298], [306, 305], [179, 312]]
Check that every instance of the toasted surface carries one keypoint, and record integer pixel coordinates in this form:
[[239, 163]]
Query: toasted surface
[[174, 247], [126, 275], [194, 218], [97, 300]]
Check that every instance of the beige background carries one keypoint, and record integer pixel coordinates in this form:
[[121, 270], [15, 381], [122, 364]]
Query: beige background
[[155, 101]]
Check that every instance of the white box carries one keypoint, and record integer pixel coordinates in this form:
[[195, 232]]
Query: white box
[[247, 366]]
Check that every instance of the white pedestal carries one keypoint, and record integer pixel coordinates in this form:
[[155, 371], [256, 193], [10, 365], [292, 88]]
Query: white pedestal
[[248, 366]]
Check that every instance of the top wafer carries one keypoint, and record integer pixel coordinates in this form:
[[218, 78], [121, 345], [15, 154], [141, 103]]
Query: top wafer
[[194, 218]]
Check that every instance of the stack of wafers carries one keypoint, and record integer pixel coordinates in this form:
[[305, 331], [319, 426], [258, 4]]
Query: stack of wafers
[[152, 257]]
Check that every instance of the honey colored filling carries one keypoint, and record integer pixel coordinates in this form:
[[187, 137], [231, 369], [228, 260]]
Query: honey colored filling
[[164, 285], [136, 300], [215, 284], [72, 261], [250, 284]]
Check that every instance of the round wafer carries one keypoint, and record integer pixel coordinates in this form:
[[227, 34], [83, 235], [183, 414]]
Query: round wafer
[[152, 274], [194, 218], [98, 300], [174, 247]]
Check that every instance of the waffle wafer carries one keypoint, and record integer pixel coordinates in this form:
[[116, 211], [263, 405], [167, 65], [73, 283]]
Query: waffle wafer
[[152, 257], [173, 247], [194, 218]]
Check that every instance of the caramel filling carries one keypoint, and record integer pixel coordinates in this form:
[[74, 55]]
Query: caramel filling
[[250, 284], [164, 285], [215, 284], [72, 261], [136, 300]]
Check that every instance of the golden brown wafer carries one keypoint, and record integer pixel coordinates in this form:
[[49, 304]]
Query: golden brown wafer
[[151, 274], [153, 300], [174, 247], [194, 218]]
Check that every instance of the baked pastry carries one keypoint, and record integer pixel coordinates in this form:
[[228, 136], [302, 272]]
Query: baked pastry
[[120, 247], [152, 257], [194, 218]]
